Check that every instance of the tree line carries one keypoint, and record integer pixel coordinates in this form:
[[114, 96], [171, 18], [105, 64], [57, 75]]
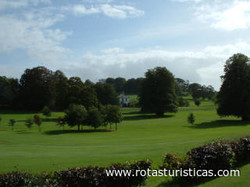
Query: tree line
[[39, 87]]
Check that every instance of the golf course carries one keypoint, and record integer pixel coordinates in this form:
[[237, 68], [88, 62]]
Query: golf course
[[139, 136]]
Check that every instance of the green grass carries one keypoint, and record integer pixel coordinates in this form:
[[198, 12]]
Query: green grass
[[139, 136]]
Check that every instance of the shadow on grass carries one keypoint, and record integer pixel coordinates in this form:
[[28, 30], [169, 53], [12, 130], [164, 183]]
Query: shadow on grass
[[58, 132], [146, 116], [22, 132], [220, 123], [43, 120]]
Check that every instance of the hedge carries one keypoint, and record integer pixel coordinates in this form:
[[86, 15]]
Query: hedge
[[76, 177]]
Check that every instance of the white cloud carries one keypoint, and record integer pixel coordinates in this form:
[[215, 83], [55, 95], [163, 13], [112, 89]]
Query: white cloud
[[32, 33], [15, 4], [81, 9], [5, 4], [113, 11], [121, 11], [225, 15], [113, 50], [204, 66]]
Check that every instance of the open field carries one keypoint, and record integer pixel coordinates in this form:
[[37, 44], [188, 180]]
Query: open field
[[139, 136]]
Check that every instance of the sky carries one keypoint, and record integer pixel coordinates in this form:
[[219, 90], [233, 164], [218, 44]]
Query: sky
[[96, 39]]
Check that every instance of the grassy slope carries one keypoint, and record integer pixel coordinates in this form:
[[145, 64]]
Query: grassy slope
[[139, 136]]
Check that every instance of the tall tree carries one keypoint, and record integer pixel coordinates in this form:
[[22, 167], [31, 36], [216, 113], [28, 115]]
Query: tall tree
[[80, 93], [234, 95], [112, 114], [37, 88], [9, 90], [106, 94], [158, 92], [61, 86]]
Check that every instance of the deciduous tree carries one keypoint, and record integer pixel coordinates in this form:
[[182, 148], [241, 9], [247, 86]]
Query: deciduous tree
[[158, 92], [234, 95]]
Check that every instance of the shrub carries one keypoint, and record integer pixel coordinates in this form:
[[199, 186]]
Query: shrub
[[216, 156], [61, 121], [197, 102], [29, 122], [213, 156], [172, 161], [96, 176], [17, 179], [46, 111], [191, 118], [12, 123], [241, 149], [85, 176], [38, 121], [182, 102]]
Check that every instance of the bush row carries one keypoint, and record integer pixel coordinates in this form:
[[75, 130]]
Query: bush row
[[213, 156], [85, 176]]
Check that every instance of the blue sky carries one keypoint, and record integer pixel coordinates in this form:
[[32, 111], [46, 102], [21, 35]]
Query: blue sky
[[96, 39]]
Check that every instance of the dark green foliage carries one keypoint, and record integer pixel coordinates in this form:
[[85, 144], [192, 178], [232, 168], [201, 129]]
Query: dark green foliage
[[94, 118], [61, 121], [182, 102], [61, 87], [24, 179], [216, 156], [119, 84], [198, 91], [38, 121], [9, 89], [213, 156], [75, 177], [241, 149], [12, 123], [106, 94], [191, 118], [181, 86], [158, 92], [96, 176], [197, 102], [37, 88], [46, 111], [112, 114], [172, 161], [80, 93], [29, 122], [76, 115], [133, 86], [233, 97]]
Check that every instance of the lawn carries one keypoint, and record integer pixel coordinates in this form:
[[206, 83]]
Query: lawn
[[139, 136]]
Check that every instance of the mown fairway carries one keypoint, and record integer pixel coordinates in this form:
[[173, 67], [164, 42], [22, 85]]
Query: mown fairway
[[139, 136]]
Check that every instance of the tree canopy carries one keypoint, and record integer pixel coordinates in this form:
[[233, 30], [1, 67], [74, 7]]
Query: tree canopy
[[234, 95], [76, 115], [158, 92]]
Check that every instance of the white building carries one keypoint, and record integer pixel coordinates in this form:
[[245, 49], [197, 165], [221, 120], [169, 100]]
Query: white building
[[124, 100]]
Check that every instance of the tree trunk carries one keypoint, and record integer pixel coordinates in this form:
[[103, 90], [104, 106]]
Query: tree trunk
[[116, 126], [79, 128]]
